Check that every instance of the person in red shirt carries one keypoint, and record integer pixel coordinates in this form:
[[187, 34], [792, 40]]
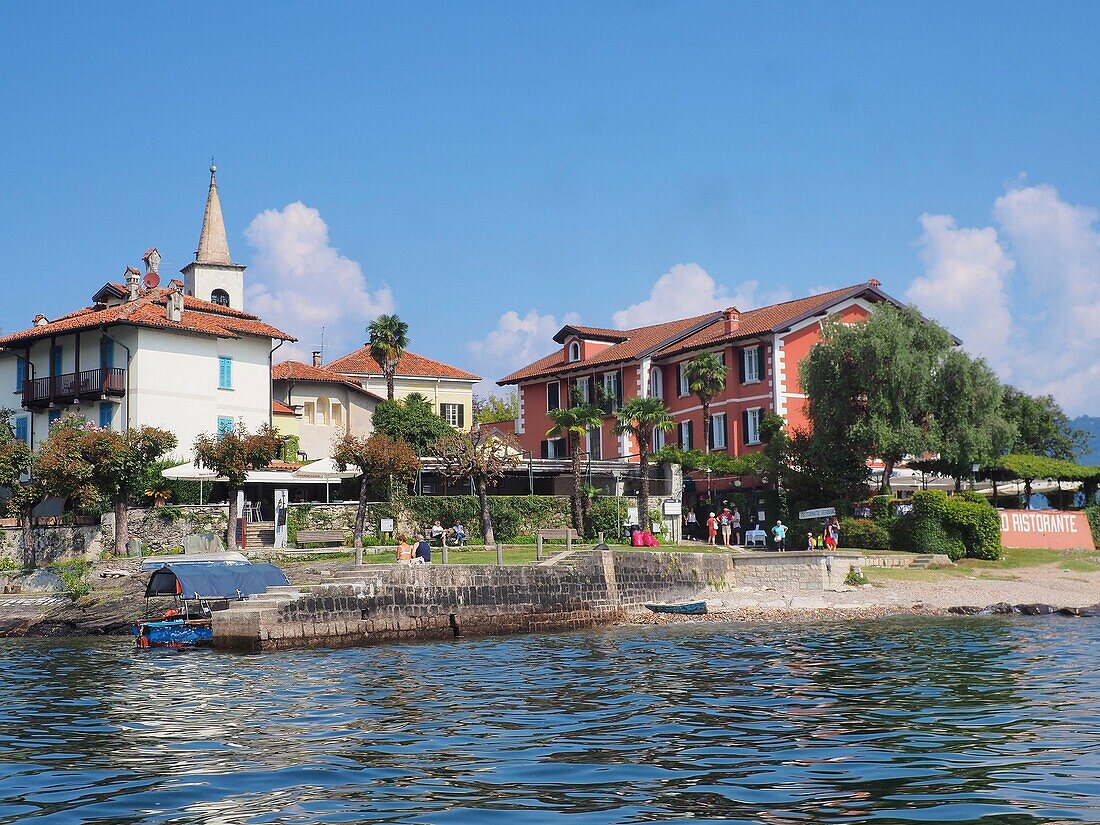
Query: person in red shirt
[[712, 528]]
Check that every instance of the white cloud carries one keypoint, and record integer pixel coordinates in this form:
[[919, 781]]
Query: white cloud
[[965, 285], [1028, 298], [300, 282], [515, 342], [685, 290]]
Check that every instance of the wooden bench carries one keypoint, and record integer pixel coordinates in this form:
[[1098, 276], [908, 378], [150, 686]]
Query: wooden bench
[[568, 533], [319, 537]]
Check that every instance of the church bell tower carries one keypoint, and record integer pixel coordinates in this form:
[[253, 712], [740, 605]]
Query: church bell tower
[[213, 276]]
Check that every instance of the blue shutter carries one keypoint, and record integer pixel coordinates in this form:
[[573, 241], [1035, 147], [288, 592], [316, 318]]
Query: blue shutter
[[20, 374], [58, 351], [55, 415], [108, 355], [106, 414], [225, 372], [21, 429], [225, 425]]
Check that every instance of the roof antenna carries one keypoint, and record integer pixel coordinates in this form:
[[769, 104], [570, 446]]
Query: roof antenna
[[322, 344]]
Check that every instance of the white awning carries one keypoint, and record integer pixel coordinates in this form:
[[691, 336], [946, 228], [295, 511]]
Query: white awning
[[326, 468]]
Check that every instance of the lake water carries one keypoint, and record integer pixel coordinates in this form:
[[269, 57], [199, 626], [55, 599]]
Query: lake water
[[906, 720]]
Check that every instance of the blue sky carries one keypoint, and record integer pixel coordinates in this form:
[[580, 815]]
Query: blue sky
[[488, 170]]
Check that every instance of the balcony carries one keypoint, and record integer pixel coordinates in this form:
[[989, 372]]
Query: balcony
[[74, 387]]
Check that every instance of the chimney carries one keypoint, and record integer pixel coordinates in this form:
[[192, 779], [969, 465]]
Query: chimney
[[40, 320], [133, 283], [152, 260], [733, 320], [875, 282], [174, 304], [316, 358]]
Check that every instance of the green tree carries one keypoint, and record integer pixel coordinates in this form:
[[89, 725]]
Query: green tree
[[232, 454], [494, 409], [412, 421], [968, 410], [389, 338], [871, 384], [483, 459], [380, 459], [706, 375], [640, 417], [1042, 427], [573, 423]]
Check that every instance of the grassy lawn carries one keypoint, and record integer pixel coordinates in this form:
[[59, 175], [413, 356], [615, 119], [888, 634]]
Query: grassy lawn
[[1078, 561]]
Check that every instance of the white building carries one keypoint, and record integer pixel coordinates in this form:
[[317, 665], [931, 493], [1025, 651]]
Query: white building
[[185, 357]]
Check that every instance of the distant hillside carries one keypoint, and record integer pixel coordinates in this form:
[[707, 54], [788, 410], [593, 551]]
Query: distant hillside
[[1089, 424]]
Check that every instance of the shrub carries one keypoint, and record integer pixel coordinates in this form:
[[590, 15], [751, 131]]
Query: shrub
[[864, 533], [1092, 512], [855, 578], [74, 577], [880, 508], [955, 527]]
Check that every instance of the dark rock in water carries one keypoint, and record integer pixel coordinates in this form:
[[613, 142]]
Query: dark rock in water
[[1035, 609], [965, 610], [998, 608], [1084, 612]]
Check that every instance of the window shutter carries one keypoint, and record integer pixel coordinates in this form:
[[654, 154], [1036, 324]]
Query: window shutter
[[745, 427], [57, 360], [107, 355], [20, 374], [461, 416], [21, 429], [690, 436], [544, 448], [741, 364], [725, 432], [106, 413]]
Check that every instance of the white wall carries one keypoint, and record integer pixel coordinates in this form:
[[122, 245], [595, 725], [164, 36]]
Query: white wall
[[315, 440]]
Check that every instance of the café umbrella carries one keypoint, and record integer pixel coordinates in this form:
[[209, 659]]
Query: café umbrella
[[190, 472], [328, 469]]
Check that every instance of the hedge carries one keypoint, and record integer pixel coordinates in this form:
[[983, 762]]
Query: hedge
[[864, 534], [955, 527], [1093, 514]]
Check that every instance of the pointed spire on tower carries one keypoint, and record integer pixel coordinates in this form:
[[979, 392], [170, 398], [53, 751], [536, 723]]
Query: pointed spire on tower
[[213, 245]]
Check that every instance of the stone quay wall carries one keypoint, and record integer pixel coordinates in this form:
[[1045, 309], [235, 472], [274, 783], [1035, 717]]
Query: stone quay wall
[[391, 602], [53, 544]]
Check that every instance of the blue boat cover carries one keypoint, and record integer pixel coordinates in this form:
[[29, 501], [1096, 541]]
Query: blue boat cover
[[214, 580]]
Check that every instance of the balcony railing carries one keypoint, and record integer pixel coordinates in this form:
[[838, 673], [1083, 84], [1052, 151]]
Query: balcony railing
[[70, 387]]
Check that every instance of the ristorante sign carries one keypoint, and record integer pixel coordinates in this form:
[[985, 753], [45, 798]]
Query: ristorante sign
[[1055, 529]]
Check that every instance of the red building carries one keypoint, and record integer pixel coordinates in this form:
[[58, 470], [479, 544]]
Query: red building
[[763, 348]]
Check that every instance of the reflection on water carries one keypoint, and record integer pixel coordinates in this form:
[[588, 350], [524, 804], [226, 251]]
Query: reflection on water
[[900, 721]]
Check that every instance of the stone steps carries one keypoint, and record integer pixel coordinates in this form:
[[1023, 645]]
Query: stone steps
[[921, 562]]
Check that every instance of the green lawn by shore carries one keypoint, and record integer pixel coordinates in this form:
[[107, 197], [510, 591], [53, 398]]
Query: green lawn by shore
[[1077, 561]]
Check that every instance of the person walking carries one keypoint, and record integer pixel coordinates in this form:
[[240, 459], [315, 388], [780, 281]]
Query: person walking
[[725, 520], [780, 534], [691, 529], [712, 529], [832, 534], [735, 526]]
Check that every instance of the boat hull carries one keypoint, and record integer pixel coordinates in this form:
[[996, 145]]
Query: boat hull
[[685, 609], [177, 633]]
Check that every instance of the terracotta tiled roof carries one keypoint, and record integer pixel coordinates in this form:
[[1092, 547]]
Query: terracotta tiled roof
[[360, 362], [759, 321], [148, 310], [297, 371], [679, 336], [636, 342], [279, 408]]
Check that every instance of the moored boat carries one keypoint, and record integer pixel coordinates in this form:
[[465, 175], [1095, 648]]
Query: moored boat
[[683, 608]]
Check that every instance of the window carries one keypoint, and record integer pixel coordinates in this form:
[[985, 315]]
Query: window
[[453, 414], [337, 415], [682, 379], [57, 360], [20, 374], [593, 443], [613, 389], [22, 430], [553, 448], [658, 438], [321, 412], [718, 431], [685, 435], [574, 351], [106, 415], [752, 426], [53, 417], [225, 372], [750, 365], [656, 385], [584, 387], [309, 412], [553, 395], [225, 425], [220, 297]]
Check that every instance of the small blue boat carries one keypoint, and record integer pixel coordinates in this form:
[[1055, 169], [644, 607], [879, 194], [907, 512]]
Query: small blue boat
[[196, 588], [683, 609]]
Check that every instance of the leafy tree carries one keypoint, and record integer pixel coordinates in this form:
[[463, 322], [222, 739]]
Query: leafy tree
[[573, 423], [706, 375], [232, 455], [380, 459], [410, 420], [1042, 427], [16, 463], [639, 417], [493, 409], [389, 338], [871, 384], [967, 404], [483, 459]]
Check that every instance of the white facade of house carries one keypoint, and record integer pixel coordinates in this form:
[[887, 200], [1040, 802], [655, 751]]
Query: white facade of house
[[327, 412]]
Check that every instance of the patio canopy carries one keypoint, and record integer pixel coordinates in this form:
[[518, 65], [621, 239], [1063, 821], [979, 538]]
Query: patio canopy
[[214, 580]]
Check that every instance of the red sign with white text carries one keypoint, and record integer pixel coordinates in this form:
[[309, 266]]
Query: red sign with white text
[[1054, 529]]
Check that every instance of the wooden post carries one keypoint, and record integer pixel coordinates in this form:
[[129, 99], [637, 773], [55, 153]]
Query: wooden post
[[601, 541], [444, 554], [538, 546], [569, 538], [500, 555]]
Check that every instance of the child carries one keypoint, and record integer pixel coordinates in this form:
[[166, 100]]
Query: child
[[811, 542]]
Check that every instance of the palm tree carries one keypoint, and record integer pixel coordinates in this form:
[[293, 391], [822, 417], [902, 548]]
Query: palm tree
[[389, 336], [706, 375], [573, 423], [639, 417]]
